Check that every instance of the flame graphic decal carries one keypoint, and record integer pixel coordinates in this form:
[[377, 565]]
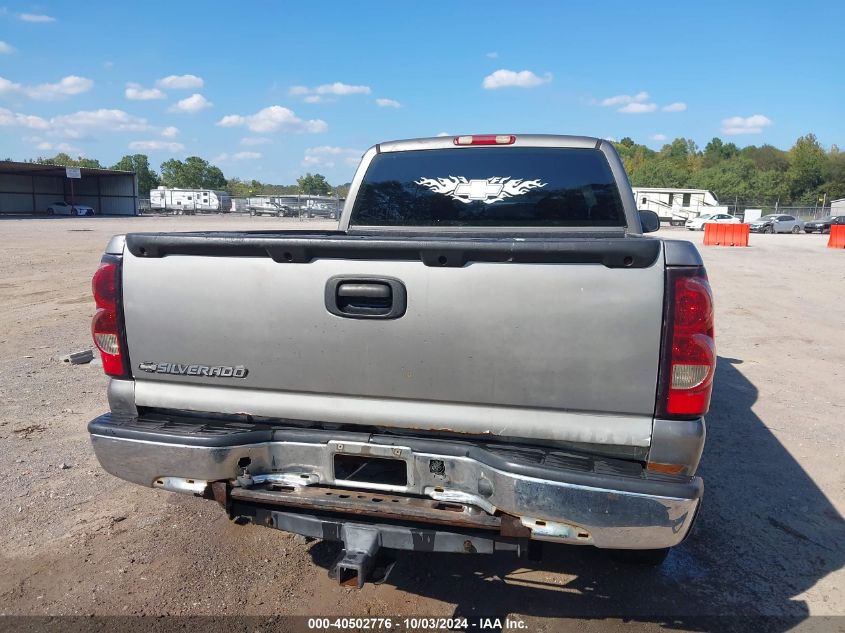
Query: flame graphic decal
[[487, 190]]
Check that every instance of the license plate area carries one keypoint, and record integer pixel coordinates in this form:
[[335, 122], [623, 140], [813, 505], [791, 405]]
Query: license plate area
[[368, 466]]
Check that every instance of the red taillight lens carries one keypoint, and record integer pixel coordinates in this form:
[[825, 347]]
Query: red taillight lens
[[689, 350], [104, 285], [105, 326], [485, 139]]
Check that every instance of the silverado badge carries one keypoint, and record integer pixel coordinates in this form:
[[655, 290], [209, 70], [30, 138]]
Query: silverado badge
[[179, 369], [487, 190]]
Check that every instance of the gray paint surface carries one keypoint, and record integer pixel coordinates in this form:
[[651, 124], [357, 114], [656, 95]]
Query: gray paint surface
[[530, 337]]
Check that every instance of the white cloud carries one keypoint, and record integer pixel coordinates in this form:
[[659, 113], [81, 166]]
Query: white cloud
[[36, 17], [328, 156], [753, 124], [156, 146], [135, 92], [65, 87], [659, 137], [180, 82], [638, 108], [170, 132], [222, 158], [337, 88], [108, 65], [17, 119], [7, 87], [388, 103], [76, 125], [443, 134], [272, 119], [82, 123], [639, 103], [59, 147], [255, 140], [6, 48], [313, 99], [620, 100], [192, 104], [512, 79], [493, 55]]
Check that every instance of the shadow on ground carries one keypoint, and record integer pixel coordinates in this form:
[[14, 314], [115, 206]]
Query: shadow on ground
[[765, 534]]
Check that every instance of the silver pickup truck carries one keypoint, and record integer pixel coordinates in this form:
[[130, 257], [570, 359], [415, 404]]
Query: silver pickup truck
[[488, 353]]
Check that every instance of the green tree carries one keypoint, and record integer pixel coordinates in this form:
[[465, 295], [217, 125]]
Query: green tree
[[65, 160], [140, 164], [767, 157], [192, 173], [834, 175], [313, 184], [716, 151], [806, 168], [343, 190]]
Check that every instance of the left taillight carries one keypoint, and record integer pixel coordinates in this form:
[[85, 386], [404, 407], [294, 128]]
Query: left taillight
[[107, 326]]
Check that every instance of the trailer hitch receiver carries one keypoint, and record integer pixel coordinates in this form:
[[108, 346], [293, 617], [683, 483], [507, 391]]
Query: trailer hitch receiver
[[357, 560]]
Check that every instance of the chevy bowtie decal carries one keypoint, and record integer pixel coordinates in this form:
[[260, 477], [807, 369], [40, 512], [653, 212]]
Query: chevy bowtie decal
[[488, 190]]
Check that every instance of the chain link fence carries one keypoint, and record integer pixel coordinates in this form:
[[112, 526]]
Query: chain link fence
[[804, 213]]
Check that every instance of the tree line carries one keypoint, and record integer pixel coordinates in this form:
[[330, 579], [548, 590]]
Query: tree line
[[804, 175], [197, 173]]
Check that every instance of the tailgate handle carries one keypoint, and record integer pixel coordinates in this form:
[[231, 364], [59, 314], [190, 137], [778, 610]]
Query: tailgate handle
[[365, 297], [367, 291]]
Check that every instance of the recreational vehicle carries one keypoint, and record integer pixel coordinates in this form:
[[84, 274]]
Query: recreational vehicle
[[189, 201], [676, 206]]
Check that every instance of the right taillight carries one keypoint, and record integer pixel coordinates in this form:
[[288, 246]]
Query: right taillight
[[106, 324], [689, 350]]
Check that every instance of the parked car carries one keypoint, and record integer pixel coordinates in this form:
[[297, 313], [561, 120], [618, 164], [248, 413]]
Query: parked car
[[777, 223], [270, 208], [697, 224], [353, 401], [320, 211], [64, 208], [823, 225]]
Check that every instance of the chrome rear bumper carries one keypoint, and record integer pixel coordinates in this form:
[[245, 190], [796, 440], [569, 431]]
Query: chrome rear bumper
[[555, 496]]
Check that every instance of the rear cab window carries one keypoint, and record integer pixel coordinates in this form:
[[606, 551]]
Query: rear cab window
[[489, 187]]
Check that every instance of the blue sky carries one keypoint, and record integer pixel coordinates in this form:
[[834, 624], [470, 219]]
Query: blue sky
[[273, 89]]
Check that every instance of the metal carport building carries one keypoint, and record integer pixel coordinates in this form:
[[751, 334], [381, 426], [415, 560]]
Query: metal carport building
[[29, 188]]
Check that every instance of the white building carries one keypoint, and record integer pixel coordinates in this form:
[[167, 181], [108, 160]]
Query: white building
[[189, 200], [677, 205], [837, 207]]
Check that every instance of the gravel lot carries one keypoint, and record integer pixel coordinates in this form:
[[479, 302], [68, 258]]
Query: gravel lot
[[770, 539]]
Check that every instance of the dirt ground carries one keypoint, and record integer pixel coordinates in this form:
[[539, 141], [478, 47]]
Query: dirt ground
[[770, 539]]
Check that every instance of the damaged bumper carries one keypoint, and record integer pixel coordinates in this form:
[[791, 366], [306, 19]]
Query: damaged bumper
[[300, 479]]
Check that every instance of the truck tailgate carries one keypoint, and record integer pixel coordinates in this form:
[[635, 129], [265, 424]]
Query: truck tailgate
[[552, 350]]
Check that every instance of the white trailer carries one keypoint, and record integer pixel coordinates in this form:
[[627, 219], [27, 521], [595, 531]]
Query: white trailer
[[189, 201], [676, 206]]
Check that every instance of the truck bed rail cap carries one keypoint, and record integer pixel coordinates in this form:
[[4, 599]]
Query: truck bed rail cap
[[622, 252]]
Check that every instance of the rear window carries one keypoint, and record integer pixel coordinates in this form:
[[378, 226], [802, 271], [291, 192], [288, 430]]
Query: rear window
[[478, 186]]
